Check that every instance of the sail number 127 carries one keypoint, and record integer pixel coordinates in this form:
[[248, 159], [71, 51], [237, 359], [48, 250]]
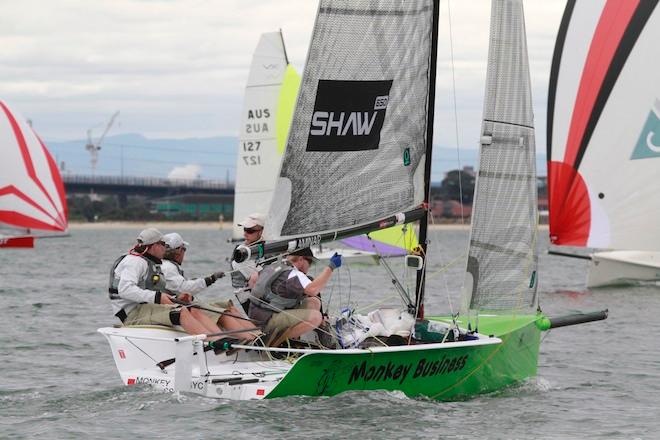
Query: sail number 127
[[252, 146]]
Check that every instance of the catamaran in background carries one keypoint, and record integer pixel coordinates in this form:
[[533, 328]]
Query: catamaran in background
[[604, 138], [372, 174], [32, 198]]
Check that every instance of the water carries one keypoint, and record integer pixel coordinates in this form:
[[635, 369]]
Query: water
[[599, 380]]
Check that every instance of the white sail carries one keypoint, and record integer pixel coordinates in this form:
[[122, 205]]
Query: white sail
[[502, 259], [604, 126], [357, 147], [269, 97], [31, 189]]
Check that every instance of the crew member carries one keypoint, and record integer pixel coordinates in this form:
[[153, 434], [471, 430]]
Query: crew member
[[137, 289], [184, 289], [286, 299], [244, 274]]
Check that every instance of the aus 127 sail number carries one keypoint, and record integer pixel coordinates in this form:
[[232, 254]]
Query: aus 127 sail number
[[252, 147]]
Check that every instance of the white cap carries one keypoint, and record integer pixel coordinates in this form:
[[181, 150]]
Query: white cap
[[150, 236], [252, 220], [174, 240]]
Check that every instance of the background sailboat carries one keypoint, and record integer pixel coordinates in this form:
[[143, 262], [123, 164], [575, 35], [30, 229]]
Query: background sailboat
[[32, 198], [270, 96], [604, 137]]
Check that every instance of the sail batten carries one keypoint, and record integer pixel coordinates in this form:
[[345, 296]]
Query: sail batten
[[502, 259]]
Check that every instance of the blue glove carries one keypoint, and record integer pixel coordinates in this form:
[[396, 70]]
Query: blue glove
[[335, 261]]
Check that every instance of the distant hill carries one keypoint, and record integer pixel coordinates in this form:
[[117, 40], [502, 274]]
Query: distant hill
[[211, 158]]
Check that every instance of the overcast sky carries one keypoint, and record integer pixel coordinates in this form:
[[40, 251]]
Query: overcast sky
[[177, 68]]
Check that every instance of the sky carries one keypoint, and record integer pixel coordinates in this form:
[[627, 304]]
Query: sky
[[177, 68]]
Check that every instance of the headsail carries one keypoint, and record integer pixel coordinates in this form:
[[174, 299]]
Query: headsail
[[604, 126], [32, 194], [270, 96], [502, 260], [357, 146]]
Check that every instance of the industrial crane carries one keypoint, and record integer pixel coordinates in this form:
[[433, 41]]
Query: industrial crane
[[94, 147]]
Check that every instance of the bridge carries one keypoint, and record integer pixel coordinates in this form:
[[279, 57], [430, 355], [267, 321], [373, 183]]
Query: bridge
[[151, 187]]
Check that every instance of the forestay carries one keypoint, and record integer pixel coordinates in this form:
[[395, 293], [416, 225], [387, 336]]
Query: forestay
[[356, 150], [502, 261], [267, 111], [604, 126]]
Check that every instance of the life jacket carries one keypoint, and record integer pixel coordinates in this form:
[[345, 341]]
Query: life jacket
[[262, 294], [155, 280]]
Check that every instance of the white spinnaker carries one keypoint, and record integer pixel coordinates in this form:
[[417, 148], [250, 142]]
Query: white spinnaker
[[31, 190], [258, 159], [621, 183]]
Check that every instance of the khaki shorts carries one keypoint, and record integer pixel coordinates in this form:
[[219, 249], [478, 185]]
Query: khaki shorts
[[220, 305], [151, 314], [286, 319]]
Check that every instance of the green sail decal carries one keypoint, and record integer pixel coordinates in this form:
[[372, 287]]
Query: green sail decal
[[286, 104], [648, 144]]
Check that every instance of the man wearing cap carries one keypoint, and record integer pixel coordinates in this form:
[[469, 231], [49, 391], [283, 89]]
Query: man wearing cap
[[244, 274], [137, 289], [286, 299], [184, 289]]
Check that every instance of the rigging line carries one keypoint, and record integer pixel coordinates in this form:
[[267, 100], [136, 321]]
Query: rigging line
[[453, 81], [138, 347], [444, 278]]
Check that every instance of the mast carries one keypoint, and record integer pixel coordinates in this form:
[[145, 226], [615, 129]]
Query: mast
[[424, 222]]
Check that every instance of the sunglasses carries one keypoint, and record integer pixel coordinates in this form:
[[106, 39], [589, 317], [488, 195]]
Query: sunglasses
[[162, 243], [251, 230]]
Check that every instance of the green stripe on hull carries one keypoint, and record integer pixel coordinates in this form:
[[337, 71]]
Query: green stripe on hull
[[443, 374]]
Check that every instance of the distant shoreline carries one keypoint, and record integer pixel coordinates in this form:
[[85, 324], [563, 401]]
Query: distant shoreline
[[168, 226]]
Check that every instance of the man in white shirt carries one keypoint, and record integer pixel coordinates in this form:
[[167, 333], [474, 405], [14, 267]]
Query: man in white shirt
[[244, 274], [183, 288], [137, 289]]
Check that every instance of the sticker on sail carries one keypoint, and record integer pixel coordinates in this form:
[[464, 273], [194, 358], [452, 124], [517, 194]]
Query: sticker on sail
[[648, 144], [348, 115]]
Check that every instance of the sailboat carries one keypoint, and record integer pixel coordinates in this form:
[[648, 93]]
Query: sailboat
[[604, 138], [382, 145], [270, 95], [32, 198]]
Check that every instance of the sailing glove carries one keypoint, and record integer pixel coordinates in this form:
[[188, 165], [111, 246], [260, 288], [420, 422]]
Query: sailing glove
[[213, 277], [335, 261]]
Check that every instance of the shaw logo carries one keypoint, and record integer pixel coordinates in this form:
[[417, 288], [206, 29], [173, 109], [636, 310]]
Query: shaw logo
[[348, 115], [648, 144]]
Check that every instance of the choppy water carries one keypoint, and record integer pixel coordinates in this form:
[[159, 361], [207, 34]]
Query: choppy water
[[58, 379]]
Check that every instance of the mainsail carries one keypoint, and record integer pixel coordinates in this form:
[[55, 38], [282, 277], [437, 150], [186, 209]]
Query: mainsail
[[604, 126], [31, 190], [502, 259], [357, 147], [267, 111]]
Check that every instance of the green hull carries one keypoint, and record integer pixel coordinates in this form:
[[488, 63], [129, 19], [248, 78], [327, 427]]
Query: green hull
[[442, 373]]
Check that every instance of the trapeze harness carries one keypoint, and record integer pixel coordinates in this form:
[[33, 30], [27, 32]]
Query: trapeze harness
[[155, 280], [262, 293]]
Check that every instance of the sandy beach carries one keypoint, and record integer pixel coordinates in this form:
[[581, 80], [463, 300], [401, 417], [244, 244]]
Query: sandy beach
[[217, 225]]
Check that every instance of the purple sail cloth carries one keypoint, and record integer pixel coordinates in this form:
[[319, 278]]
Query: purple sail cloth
[[362, 243]]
